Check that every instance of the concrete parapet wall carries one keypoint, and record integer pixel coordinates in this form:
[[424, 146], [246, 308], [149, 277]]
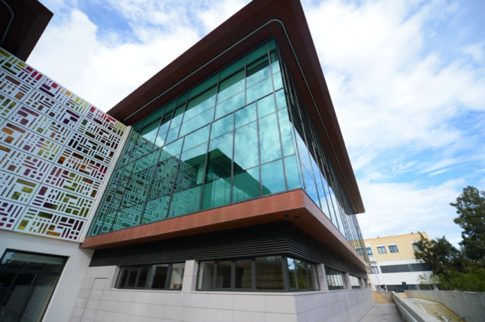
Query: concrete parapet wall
[[99, 300], [410, 312], [468, 305]]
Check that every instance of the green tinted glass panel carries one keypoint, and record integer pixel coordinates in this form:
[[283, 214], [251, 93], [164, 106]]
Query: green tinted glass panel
[[272, 44], [173, 134], [191, 168], [217, 193], [246, 147], [231, 69], [146, 161], [275, 64], [280, 99], [310, 186], [163, 178], [137, 188], [202, 87], [149, 132], [197, 122], [155, 210], [269, 138], [292, 273], [246, 115], [185, 202], [259, 90], [200, 103], [172, 149], [257, 53], [231, 86], [137, 127], [177, 117], [292, 172], [162, 131], [246, 185], [181, 99], [127, 217], [196, 138], [266, 106], [278, 81], [272, 176], [257, 71], [220, 157], [286, 133], [222, 126], [302, 275], [322, 193], [230, 105]]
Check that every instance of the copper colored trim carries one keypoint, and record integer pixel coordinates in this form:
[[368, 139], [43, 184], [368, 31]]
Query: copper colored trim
[[251, 25], [300, 210]]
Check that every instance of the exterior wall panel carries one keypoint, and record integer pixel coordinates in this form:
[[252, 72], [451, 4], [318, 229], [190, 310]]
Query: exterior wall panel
[[55, 152]]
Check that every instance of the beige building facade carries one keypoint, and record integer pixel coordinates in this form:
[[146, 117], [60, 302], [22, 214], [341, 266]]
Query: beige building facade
[[393, 262]]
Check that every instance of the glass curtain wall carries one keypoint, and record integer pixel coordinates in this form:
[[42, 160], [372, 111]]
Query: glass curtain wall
[[242, 133]]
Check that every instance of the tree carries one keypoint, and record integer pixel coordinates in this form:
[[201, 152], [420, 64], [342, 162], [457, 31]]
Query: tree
[[462, 269], [470, 205], [439, 254]]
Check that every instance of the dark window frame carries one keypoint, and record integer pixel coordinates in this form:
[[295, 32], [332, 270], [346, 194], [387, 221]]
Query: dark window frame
[[285, 273], [150, 276]]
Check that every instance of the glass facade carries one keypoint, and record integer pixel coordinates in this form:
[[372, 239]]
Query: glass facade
[[243, 133]]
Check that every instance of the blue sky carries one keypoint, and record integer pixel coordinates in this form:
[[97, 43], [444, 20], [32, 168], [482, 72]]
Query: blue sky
[[407, 79]]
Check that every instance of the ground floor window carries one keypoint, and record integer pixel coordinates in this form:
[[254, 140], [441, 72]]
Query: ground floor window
[[354, 282], [269, 273], [335, 279], [160, 276], [27, 281]]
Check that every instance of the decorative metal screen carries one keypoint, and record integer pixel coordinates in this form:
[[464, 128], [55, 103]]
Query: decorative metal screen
[[55, 152]]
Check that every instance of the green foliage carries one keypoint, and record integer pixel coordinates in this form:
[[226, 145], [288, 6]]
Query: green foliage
[[470, 205], [462, 269]]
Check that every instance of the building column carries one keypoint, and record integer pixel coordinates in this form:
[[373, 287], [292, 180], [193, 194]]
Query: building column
[[190, 276], [322, 277]]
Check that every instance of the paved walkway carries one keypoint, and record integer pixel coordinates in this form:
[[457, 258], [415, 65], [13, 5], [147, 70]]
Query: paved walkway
[[383, 313]]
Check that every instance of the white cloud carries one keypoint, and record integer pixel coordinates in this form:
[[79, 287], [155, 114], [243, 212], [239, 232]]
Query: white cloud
[[402, 208]]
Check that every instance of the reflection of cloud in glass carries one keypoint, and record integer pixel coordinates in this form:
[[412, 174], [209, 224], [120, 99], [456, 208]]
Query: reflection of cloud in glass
[[230, 105], [246, 115], [272, 176], [196, 122], [196, 138], [259, 90], [269, 138], [246, 147]]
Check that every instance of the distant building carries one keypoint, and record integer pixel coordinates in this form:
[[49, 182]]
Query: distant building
[[393, 262]]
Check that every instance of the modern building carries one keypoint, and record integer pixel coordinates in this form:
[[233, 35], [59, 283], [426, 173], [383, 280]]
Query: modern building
[[219, 190], [393, 262]]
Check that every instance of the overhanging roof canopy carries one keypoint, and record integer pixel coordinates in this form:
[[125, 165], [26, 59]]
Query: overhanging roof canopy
[[22, 22], [255, 23]]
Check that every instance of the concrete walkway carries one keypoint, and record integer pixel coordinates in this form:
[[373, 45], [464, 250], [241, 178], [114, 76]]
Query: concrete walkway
[[383, 313]]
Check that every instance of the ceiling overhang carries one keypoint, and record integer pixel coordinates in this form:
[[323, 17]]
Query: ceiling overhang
[[22, 23]]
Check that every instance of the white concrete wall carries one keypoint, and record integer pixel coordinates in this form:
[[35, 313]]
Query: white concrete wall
[[65, 294], [396, 278], [98, 300]]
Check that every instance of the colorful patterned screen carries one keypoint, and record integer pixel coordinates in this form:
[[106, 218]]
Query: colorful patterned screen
[[55, 152]]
